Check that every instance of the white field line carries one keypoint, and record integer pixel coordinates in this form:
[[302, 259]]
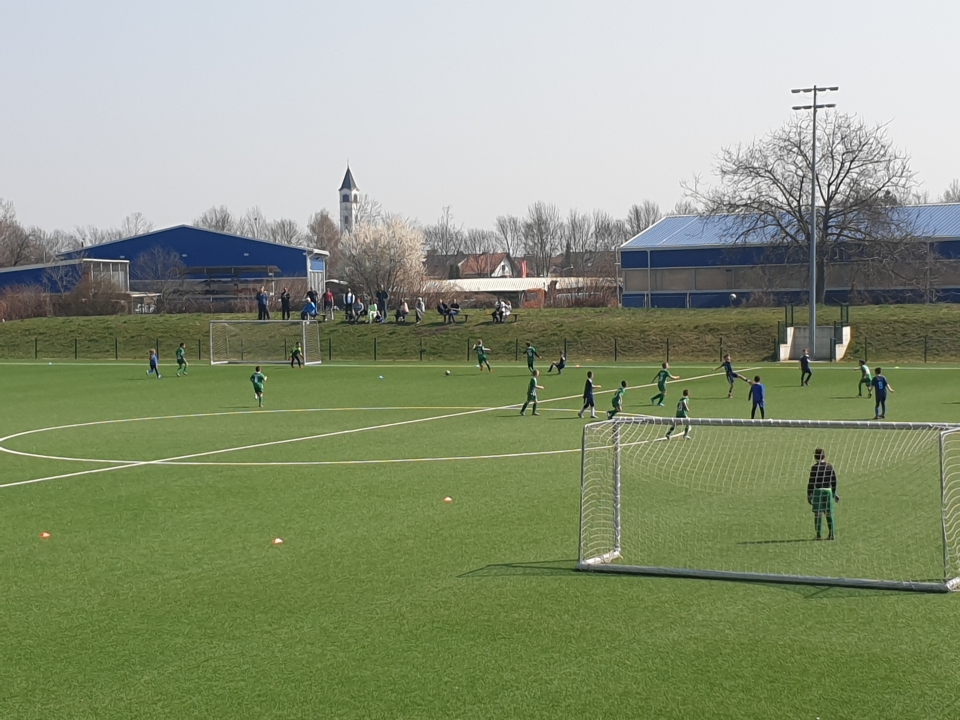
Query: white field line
[[272, 443]]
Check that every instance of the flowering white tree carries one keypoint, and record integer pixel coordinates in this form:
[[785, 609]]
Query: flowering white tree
[[384, 252]]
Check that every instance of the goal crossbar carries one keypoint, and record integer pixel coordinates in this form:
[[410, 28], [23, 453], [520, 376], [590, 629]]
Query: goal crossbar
[[708, 509]]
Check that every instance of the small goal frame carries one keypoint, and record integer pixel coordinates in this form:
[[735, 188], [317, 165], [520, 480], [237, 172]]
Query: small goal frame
[[604, 559], [306, 331]]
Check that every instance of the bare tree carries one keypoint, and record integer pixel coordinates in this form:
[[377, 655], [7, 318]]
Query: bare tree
[[159, 270], [952, 193], [684, 207], [286, 232], [254, 224], [135, 224], [445, 237], [91, 235], [861, 180], [323, 234], [219, 219], [580, 248], [387, 253], [510, 234], [642, 216], [542, 230], [368, 211], [608, 232], [480, 244]]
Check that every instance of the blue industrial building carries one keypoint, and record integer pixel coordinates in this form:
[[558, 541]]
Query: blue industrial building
[[688, 261], [211, 264], [64, 275]]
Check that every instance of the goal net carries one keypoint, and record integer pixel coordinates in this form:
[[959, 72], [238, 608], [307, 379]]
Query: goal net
[[263, 342], [731, 502]]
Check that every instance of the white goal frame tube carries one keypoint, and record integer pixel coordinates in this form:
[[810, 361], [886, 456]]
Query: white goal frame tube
[[290, 323]]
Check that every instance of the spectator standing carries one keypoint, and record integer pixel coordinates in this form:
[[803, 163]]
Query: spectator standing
[[421, 309], [285, 304], [263, 300], [328, 305], [382, 298], [402, 312]]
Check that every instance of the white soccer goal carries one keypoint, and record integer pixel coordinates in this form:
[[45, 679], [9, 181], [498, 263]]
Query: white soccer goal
[[263, 342], [731, 502]]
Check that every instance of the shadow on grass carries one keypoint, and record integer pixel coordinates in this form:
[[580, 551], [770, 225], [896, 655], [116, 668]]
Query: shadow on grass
[[532, 567]]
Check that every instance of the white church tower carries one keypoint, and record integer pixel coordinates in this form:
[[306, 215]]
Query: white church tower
[[349, 198]]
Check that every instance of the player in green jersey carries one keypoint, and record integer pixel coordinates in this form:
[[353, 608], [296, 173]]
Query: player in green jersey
[[532, 353], [661, 380], [481, 352], [181, 360], [297, 355], [617, 400], [258, 379], [865, 379], [683, 411], [532, 394]]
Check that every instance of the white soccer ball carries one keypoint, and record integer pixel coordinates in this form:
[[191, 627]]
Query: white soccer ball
[[733, 296], [447, 373]]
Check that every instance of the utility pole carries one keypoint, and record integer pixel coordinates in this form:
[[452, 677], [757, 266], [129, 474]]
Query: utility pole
[[813, 207]]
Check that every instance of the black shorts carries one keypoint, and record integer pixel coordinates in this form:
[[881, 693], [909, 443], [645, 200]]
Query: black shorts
[[588, 400]]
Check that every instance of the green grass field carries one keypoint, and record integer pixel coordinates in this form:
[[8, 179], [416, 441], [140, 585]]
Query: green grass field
[[161, 595]]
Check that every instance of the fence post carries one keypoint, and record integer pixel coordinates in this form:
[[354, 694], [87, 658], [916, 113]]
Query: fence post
[[721, 348], [421, 349], [375, 349], [329, 349], [925, 337], [116, 349], [285, 348], [76, 349], [866, 356], [468, 350], [36, 349], [241, 348], [668, 349], [158, 347], [516, 350], [616, 350], [199, 349], [564, 347]]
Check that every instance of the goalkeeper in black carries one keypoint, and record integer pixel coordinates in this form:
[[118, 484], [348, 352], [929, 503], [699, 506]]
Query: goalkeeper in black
[[822, 492]]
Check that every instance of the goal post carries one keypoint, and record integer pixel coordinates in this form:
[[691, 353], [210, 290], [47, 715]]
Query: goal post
[[263, 342], [731, 502]]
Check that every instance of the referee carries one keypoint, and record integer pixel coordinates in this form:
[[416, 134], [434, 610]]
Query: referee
[[822, 491]]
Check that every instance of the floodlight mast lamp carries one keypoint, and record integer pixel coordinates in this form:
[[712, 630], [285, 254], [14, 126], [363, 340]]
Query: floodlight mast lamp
[[813, 207]]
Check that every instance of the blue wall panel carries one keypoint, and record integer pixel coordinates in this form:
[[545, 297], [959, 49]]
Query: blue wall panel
[[66, 278], [633, 259], [634, 300]]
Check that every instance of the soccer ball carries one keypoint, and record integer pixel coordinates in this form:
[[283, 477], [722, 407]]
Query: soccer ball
[[447, 372], [733, 296]]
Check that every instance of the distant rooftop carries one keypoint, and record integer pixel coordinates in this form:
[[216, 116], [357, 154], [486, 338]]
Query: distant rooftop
[[680, 231]]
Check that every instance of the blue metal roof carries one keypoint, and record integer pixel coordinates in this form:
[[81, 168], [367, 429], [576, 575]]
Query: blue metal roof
[[198, 247], [679, 231]]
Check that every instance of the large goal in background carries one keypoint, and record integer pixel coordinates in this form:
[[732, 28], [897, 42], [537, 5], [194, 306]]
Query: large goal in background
[[262, 342], [731, 502]]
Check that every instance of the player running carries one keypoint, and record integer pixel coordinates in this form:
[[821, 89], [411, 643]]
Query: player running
[[559, 365], [880, 387], [822, 492], [481, 352], [805, 372], [588, 388], [683, 411], [296, 355], [532, 353], [756, 397], [182, 363], [661, 380], [258, 379], [154, 364], [865, 379], [532, 394], [732, 376], [617, 400]]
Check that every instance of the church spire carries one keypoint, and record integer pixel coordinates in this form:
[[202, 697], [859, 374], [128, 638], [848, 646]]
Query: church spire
[[349, 199]]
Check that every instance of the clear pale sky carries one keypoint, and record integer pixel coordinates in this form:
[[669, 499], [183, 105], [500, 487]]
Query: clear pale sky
[[169, 108]]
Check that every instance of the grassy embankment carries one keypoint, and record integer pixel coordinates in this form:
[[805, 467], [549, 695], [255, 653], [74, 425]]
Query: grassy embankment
[[898, 333]]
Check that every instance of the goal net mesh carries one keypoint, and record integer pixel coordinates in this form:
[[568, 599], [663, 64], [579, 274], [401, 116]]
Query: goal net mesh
[[263, 342], [732, 501]]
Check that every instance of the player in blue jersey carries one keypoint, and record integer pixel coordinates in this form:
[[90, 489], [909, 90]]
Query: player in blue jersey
[[805, 372], [880, 388], [588, 387], [154, 364], [732, 376], [756, 397]]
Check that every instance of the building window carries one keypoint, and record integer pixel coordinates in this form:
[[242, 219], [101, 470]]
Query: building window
[[346, 220], [346, 198]]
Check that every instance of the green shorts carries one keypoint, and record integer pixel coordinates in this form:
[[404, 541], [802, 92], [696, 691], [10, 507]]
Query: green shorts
[[661, 387], [481, 359], [181, 361], [258, 388], [822, 500]]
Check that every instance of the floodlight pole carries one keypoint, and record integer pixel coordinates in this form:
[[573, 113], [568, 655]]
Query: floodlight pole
[[812, 340]]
